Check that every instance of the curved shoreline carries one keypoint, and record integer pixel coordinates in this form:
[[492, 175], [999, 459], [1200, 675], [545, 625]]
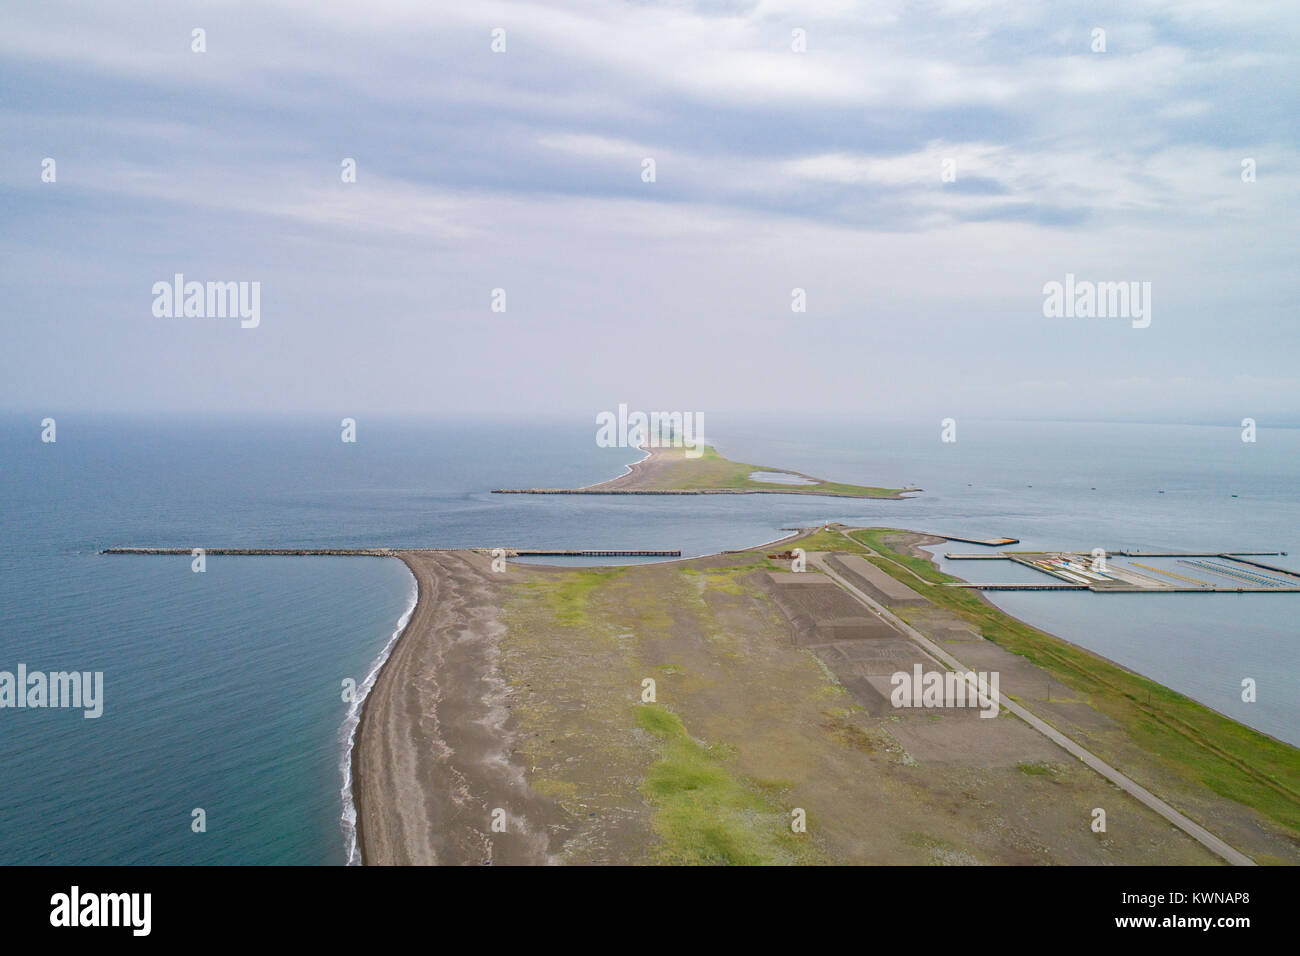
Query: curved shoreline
[[629, 469], [355, 716], [362, 727], [433, 766]]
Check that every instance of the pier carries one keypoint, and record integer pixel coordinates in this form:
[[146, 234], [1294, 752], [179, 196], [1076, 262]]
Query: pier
[[1199, 554], [394, 552], [522, 552], [272, 552], [1063, 586], [1077, 571], [987, 542], [1268, 567]]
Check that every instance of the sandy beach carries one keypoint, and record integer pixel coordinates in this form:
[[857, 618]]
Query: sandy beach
[[433, 757], [645, 473]]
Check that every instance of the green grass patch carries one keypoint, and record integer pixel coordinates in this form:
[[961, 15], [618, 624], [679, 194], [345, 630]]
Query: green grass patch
[[826, 540], [703, 813], [723, 580], [566, 596], [1036, 769], [711, 471], [743, 561]]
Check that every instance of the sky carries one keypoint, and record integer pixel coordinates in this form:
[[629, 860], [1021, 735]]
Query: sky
[[920, 170]]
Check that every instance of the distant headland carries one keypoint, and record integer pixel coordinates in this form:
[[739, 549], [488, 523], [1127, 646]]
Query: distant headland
[[671, 471]]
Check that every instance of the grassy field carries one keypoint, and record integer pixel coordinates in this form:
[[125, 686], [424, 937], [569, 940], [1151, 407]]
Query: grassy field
[[703, 813], [580, 644], [747, 732], [712, 471], [1189, 739]]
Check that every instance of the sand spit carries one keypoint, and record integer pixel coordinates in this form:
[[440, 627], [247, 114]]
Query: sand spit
[[524, 691], [433, 756]]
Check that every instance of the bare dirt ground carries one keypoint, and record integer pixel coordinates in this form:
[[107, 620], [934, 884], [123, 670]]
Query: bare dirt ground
[[433, 755], [524, 691]]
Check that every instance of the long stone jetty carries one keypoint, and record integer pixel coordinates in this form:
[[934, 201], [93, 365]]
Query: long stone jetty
[[396, 552]]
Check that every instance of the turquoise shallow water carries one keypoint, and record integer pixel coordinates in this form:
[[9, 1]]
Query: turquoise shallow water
[[223, 689]]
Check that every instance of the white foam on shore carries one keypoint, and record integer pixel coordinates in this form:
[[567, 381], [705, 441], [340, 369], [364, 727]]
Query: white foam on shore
[[627, 468], [649, 450], [348, 732]]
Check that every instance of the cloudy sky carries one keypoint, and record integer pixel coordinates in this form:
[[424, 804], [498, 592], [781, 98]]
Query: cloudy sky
[[774, 170]]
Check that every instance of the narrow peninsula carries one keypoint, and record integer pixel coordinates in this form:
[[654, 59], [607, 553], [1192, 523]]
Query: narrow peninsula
[[686, 712]]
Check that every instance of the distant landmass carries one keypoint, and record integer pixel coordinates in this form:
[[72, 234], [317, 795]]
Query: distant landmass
[[670, 471]]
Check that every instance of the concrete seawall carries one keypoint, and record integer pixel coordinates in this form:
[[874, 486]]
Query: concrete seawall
[[699, 491], [345, 552]]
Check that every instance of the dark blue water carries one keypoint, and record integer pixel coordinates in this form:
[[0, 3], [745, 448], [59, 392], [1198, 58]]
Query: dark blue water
[[223, 689]]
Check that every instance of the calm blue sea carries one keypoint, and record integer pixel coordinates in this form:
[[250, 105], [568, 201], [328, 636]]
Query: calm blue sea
[[223, 690]]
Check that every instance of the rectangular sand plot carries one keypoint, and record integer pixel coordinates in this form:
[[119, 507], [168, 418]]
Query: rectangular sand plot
[[877, 585]]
